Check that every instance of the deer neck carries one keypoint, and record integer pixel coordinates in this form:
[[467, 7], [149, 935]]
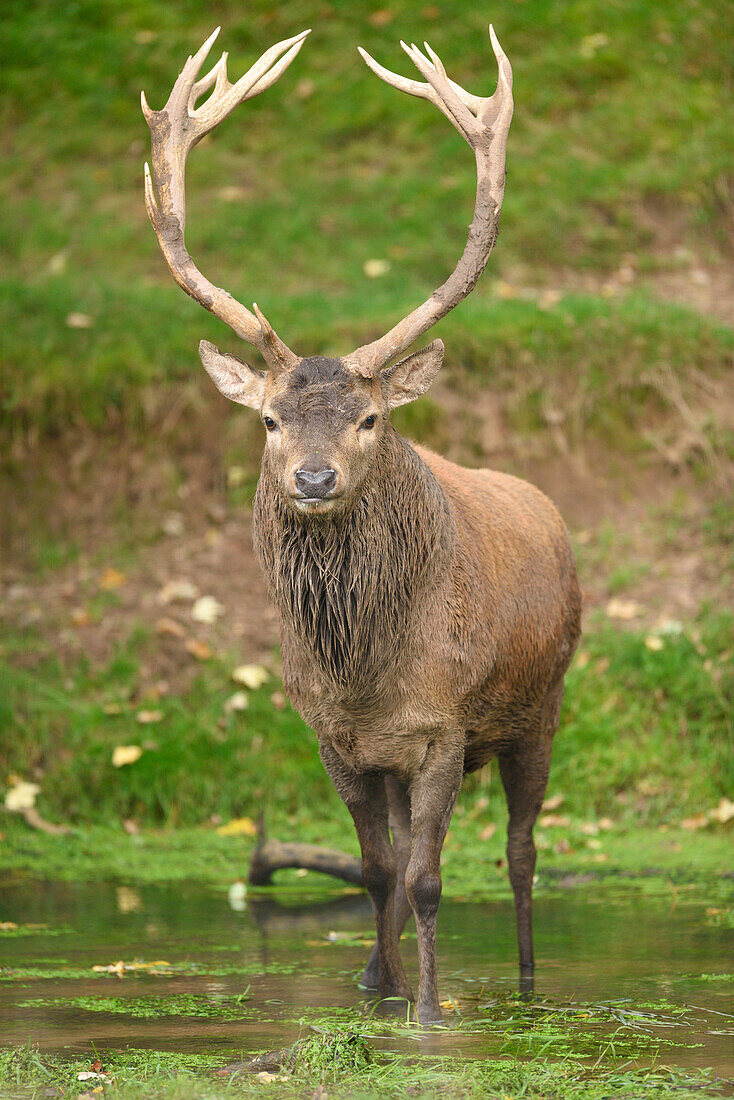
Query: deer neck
[[347, 586]]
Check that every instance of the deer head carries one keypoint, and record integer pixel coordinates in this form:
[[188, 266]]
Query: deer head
[[325, 418]]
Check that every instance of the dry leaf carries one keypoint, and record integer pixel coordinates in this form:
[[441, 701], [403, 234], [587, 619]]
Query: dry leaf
[[594, 843], [250, 676], [131, 826], [198, 649], [112, 708], [589, 828], [623, 609], [697, 821], [605, 823], [562, 847], [488, 831], [654, 643], [381, 17], [240, 826], [373, 269], [79, 320], [21, 796], [552, 803], [175, 591], [550, 821], [147, 717], [170, 626], [173, 525], [207, 609], [126, 754], [111, 579], [80, 616], [724, 812], [278, 700], [238, 701]]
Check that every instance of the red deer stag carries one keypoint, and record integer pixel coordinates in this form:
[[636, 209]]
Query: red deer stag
[[428, 612]]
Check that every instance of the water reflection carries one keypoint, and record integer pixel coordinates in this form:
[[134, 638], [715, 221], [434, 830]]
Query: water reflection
[[255, 966]]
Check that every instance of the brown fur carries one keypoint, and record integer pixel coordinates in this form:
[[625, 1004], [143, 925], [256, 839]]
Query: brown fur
[[426, 627]]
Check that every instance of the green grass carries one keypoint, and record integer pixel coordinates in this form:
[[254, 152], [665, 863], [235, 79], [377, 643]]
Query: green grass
[[346, 1066], [645, 739], [620, 146]]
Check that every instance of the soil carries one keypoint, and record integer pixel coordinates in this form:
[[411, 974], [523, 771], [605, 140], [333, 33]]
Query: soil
[[641, 533]]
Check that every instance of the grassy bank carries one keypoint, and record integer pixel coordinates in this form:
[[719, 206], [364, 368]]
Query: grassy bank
[[618, 174]]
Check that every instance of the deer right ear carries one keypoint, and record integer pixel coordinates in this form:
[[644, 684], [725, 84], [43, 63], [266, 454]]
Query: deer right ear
[[235, 379]]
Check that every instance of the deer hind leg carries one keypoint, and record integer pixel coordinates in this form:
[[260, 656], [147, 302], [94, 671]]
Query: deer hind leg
[[525, 778], [365, 797], [398, 801]]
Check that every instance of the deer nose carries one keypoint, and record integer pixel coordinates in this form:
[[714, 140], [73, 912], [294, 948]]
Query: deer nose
[[315, 483]]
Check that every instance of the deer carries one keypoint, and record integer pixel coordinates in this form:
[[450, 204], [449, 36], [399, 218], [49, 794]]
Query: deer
[[428, 612]]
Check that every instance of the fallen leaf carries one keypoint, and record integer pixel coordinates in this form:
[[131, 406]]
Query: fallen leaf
[[381, 17], [550, 821], [589, 828], [278, 700], [112, 708], [236, 476], [623, 609], [488, 831], [250, 676], [198, 649], [600, 857], [173, 525], [148, 717], [562, 847], [111, 579], [238, 701], [654, 643], [373, 269], [605, 823], [305, 88], [126, 754], [724, 812], [582, 658], [240, 826], [80, 616], [697, 821], [553, 802], [178, 591], [21, 796], [170, 626], [131, 826], [79, 320], [594, 843], [207, 609]]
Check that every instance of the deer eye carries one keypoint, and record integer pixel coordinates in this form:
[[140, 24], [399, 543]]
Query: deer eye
[[269, 423], [369, 422]]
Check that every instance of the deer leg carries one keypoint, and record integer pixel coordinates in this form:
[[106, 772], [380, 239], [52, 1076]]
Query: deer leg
[[525, 778], [433, 794], [365, 797], [398, 802]]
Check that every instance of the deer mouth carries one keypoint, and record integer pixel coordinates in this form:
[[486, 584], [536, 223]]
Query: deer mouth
[[314, 504]]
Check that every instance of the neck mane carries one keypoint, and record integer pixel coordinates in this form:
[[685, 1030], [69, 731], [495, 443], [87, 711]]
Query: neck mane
[[346, 585]]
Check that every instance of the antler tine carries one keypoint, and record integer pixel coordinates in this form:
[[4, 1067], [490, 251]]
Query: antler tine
[[175, 130], [484, 123]]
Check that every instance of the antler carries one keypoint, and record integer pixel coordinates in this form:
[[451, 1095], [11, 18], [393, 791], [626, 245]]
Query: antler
[[174, 131], [484, 124]]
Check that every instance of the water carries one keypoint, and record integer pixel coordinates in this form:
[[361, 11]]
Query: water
[[243, 979]]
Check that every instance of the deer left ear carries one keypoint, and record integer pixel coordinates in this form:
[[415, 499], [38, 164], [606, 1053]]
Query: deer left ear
[[411, 377]]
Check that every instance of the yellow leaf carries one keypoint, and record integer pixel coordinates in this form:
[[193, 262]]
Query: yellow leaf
[[654, 643], [198, 649], [126, 754], [21, 796], [146, 717], [240, 826], [111, 579], [250, 676]]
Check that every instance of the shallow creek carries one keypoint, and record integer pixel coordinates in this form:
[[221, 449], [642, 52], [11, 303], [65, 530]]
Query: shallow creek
[[623, 972]]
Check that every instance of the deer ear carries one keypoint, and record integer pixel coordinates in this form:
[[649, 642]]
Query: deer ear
[[235, 379], [411, 377]]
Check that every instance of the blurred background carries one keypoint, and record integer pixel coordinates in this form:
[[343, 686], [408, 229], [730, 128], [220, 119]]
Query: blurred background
[[594, 358]]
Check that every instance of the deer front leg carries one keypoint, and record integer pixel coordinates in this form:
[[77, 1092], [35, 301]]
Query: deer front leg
[[398, 802], [433, 794], [365, 797]]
